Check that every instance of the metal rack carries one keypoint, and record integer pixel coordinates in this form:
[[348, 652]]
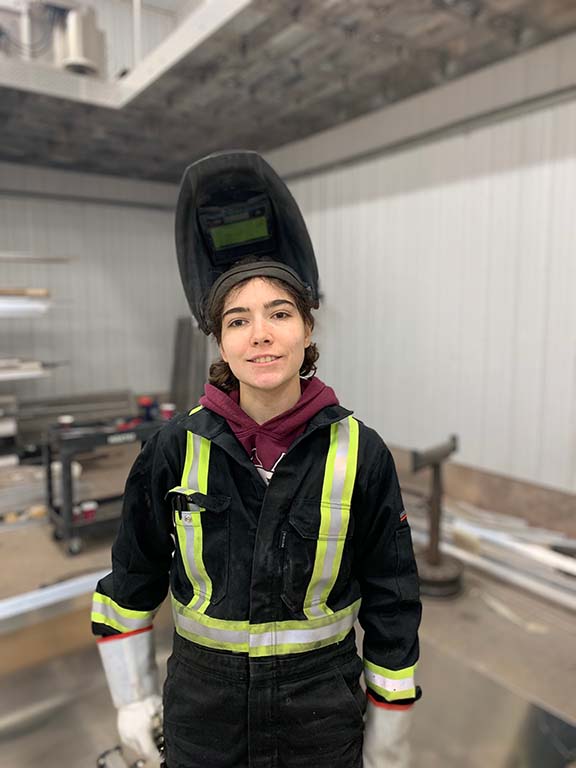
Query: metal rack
[[67, 518]]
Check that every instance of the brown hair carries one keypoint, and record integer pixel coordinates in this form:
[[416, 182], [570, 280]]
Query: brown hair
[[221, 375]]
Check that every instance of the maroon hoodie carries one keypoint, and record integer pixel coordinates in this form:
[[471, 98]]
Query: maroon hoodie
[[267, 443]]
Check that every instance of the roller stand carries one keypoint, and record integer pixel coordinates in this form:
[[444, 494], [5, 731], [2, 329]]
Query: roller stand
[[440, 575]]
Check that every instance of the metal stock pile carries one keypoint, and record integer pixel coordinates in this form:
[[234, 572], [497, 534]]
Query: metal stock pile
[[536, 559]]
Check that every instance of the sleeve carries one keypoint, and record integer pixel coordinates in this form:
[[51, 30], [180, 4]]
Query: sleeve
[[385, 566], [127, 599]]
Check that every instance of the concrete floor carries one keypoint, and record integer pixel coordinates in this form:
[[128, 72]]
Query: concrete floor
[[498, 671], [59, 714]]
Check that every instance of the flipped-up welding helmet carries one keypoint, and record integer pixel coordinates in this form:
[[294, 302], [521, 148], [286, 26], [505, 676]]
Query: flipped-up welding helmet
[[233, 207]]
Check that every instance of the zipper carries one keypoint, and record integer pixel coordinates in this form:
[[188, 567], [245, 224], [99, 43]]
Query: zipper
[[283, 539]]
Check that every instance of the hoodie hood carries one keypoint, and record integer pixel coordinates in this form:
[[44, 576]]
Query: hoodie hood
[[266, 443]]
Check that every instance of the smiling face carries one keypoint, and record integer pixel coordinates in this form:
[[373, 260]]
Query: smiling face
[[263, 337]]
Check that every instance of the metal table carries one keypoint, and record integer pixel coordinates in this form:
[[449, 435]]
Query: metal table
[[67, 442]]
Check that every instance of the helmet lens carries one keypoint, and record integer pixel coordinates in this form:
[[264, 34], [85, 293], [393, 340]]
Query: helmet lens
[[237, 230]]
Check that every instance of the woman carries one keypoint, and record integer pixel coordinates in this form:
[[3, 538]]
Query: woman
[[286, 522]]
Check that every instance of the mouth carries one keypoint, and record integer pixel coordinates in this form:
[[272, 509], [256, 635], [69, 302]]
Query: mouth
[[264, 360]]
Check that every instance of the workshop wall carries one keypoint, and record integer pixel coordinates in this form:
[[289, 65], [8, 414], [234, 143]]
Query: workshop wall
[[449, 278], [114, 302]]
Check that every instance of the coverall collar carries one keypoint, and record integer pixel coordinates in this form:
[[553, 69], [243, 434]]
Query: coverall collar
[[214, 427]]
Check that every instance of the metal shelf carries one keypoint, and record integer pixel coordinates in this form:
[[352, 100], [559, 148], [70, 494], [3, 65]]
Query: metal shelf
[[20, 375]]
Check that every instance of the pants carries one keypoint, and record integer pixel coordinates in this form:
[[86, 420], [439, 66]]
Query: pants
[[224, 710]]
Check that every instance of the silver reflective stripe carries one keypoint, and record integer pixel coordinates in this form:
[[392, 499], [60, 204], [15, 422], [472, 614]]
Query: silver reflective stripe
[[392, 684], [268, 639], [306, 633], [106, 611], [189, 529], [339, 477]]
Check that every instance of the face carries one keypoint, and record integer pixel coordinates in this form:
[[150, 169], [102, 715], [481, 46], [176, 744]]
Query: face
[[263, 336]]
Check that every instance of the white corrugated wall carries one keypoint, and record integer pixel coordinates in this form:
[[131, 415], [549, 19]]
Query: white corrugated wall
[[116, 301], [449, 273]]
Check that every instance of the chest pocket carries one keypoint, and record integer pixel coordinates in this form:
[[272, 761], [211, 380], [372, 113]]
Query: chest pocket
[[316, 554], [201, 524]]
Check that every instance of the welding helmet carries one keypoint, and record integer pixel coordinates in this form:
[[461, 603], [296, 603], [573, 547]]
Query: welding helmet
[[236, 219]]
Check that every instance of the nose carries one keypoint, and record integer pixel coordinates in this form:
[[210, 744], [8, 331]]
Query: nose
[[261, 335]]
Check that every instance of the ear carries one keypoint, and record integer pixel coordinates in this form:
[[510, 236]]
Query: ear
[[222, 355], [307, 336]]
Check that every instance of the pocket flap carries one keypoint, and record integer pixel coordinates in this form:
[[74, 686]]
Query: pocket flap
[[305, 516], [194, 501]]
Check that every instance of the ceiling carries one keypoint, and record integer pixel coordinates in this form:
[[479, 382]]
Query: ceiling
[[281, 70]]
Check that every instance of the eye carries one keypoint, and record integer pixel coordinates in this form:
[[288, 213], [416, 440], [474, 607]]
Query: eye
[[237, 323], [281, 314]]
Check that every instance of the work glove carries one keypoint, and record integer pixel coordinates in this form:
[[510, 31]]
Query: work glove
[[386, 742], [136, 722], [129, 663]]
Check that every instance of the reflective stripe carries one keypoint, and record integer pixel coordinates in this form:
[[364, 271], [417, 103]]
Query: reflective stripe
[[268, 639], [339, 477], [106, 611], [391, 683], [189, 529]]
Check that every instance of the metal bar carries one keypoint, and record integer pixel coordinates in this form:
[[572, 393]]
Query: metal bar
[[555, 595], [25, 33], [66, 510], [137, 31], [434, 557], [19, 605]]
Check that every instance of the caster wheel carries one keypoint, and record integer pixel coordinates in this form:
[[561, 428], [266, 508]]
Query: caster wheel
[[74, 546], [57, 535]]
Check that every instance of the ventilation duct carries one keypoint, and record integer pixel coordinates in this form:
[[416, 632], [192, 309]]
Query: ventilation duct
[[79, 45]]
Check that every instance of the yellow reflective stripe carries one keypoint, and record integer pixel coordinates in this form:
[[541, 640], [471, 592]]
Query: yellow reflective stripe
[[312, 597], [352, 462], [267, 639], [393, 674], [392, 684], [98, 597], [198, 478], [188, 460], [204, 461], [195, 410], [337, 487], [107, 611], [346, 500], [311, 645], [99, 618], [190, 536], [184, 535]]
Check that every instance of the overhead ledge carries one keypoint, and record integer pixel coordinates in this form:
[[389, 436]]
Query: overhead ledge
[[201, 24], [530, 80]]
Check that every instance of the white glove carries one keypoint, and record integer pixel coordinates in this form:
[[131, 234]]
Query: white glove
[[135, 725], [386, 742]]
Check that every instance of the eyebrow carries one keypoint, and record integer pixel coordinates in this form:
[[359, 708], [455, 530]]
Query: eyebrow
[[268, 305]]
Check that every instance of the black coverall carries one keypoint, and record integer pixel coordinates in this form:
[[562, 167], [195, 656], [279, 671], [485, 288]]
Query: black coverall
[[266, 583]]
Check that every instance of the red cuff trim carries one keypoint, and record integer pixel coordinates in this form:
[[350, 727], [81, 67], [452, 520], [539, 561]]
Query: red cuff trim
[[389, 705], [122, 635]]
